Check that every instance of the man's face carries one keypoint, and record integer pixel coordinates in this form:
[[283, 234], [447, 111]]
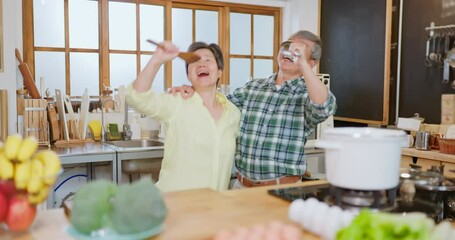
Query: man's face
[[299, 49]]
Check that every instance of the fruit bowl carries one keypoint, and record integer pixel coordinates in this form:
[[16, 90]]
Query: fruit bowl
[[18, 205], [26, 178]]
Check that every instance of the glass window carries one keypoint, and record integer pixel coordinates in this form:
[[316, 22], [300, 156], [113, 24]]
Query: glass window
[[158, 83], [179, 77], [122, 70], [86, 24], [263, 35], [182, 27], [122, 26], [152, 25], [262, 68], [239, 72], [240, 34], [84, 73], [48, 20], [50, 66], [207, 26], [129, 24]]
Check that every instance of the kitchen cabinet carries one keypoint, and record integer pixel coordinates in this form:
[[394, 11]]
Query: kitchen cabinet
[[426, 159]]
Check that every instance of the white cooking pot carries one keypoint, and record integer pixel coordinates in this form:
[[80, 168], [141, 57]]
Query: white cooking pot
[[362, 158]]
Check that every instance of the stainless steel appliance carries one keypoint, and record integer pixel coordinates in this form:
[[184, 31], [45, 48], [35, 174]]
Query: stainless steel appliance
[[388, 200]]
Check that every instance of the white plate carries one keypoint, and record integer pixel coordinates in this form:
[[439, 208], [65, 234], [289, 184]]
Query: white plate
[[112, 235]]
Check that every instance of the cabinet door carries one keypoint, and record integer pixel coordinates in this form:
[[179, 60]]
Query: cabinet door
[[447, 168], [423, 162], [356, 39]]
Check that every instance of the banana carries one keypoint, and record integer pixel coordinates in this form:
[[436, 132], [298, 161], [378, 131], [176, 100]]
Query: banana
[[39, 197], [35, 181], [12, 146], [52, 165], [6, 168], [22, 175], [27, 149]]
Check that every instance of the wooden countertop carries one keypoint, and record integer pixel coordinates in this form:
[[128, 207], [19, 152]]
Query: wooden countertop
[[194, 214], [431, 154]]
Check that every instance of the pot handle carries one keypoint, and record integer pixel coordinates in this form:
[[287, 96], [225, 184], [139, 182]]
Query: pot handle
[[327, 145]]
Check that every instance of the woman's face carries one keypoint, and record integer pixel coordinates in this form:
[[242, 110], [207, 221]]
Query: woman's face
[[204, 72]]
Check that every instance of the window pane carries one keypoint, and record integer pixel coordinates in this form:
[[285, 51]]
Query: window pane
[[240, 35], [83, 24], [158, 82], [239, 72], [262, 68], [48, 23], [122, 69], [207, 26], [84, 69], [51, 67], [263, 35], [179, 73], [182, 28], [122, 26], [152, 25]]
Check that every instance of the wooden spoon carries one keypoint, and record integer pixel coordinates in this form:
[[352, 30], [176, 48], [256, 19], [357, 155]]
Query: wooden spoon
[[189, 57]]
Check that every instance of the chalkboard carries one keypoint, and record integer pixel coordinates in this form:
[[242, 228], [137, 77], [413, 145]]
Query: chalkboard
[[356, 54], [421, 86]]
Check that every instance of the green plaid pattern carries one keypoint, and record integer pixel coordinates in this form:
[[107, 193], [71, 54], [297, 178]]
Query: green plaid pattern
[[274, 125]]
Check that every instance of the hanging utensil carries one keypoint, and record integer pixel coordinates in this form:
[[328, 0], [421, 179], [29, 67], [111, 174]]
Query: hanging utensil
[[189, 57], [446, 71]]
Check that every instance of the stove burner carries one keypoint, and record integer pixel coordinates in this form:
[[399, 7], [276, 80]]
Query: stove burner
[[356, 199], [384, 200]]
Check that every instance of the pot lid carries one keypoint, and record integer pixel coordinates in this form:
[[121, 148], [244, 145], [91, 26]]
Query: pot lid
[[364, 132], [428, 180]]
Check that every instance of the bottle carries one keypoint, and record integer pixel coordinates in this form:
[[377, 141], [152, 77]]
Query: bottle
[[135, 128]]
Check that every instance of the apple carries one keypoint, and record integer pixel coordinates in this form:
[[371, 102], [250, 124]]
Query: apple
[[20, 213], [3, 206], [8, 188]]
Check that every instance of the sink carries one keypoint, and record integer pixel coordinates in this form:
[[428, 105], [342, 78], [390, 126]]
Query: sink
[[136, 143]]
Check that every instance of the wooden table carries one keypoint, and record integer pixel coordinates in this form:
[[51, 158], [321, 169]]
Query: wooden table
[[195, 214]]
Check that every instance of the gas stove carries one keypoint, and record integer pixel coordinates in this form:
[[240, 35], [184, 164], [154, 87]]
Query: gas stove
[[387, 200]]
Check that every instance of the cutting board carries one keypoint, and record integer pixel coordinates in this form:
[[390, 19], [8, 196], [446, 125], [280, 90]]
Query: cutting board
[[61, 114], [29, 83], [85, 103], [53, 122], [73, 123]]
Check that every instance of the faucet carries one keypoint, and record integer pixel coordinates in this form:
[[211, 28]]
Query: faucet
[[127, 133], [103, 128]]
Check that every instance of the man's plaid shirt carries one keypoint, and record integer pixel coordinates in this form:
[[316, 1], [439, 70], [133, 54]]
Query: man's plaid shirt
[[274, 125]]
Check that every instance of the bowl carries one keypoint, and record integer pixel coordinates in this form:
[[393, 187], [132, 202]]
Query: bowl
[[19, 200]]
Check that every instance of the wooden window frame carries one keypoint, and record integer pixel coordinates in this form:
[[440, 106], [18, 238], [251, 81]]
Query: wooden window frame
[[224, 9]]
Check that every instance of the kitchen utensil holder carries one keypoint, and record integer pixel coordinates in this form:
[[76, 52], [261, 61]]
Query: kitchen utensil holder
[[447, 145], [35, 120]]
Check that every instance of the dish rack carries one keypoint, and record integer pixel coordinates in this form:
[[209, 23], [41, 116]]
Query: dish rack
[[447, 145], [35, 120]]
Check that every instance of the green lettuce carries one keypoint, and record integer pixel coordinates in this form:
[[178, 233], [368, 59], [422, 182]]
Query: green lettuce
[[387, 226]]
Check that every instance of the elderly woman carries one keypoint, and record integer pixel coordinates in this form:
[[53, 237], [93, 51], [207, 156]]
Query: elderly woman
[[200, 132]]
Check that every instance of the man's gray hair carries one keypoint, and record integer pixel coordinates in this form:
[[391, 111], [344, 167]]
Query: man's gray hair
[[316, 51]]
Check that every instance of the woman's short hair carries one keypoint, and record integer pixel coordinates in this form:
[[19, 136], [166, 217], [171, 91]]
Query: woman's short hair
[[214, 48]]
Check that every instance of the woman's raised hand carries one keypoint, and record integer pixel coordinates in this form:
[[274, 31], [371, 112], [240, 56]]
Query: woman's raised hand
[[166, 52]]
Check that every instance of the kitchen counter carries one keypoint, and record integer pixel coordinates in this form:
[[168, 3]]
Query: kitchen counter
[[431, 154], [193, 214]]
